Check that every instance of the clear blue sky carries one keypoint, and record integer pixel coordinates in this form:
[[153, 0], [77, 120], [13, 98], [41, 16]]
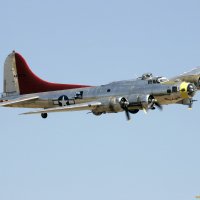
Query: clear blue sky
[[78, 156]]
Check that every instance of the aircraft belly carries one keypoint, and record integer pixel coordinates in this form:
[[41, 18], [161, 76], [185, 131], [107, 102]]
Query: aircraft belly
[[169, 99]]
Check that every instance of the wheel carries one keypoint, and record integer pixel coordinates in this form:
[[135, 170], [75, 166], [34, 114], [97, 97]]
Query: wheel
[[134, 111], [97, 113], [44, 115]]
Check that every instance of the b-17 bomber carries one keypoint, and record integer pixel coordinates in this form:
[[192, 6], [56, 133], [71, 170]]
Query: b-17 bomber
[[23, 89]]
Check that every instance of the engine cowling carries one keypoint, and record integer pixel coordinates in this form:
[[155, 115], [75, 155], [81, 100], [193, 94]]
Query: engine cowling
[[133, 101], [143, 101], [192, 79], [109, 105], [187, 90]]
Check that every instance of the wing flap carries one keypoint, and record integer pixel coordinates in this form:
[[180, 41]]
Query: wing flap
[[75, 107]]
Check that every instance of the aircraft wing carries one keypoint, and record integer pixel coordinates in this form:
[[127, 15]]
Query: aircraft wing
[[75, 107], [17, 101], [193, 74]]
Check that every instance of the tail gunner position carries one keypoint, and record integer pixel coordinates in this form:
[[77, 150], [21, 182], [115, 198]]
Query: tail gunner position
[[23, 89]]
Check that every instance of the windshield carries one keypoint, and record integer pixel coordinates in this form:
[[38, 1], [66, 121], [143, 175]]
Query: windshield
[[162, 80]]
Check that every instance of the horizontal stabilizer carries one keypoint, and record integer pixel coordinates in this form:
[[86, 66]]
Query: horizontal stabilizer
[[75, 107], [18, 100]]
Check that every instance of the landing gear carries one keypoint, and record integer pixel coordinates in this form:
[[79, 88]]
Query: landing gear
[[44, 115], [97, 113], [134, 111]]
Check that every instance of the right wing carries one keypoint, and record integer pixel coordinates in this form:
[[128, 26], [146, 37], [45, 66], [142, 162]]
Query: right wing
[[75, 107], [193, 72], [192, 76]]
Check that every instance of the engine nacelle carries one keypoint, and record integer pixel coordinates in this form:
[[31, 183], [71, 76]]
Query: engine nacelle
[[143, 101], [192, 79], [118, 104], [187, 90], [109, 105]]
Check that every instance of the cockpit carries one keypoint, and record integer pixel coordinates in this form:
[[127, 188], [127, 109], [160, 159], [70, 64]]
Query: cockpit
[[153, 80], [157, 80]]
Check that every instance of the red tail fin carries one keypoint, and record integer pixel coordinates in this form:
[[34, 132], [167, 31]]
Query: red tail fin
[[30, 83]]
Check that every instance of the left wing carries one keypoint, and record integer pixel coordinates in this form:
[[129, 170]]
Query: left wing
[[75, 107]]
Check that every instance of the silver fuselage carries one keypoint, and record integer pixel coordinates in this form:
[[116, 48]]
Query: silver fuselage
[[114, 89]]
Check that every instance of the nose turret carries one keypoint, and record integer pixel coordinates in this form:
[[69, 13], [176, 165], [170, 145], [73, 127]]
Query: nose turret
[[191, 89]]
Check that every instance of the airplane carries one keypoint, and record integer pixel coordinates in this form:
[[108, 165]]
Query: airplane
[[23, 89]]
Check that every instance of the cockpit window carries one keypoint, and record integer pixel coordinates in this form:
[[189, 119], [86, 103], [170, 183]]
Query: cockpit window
[[152, 79], [157, 80], [147, 76], [162, 80]]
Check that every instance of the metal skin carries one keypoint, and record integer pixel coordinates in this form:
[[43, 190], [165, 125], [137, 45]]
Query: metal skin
[[144, 93]]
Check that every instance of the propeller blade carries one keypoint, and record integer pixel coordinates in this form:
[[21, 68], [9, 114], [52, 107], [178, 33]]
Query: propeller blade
[[145, 111], [190, 105], [159, 106], [128, 117], [124, 105]]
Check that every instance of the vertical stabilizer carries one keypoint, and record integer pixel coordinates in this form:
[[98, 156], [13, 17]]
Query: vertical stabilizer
[[20, 80], [11, 86]]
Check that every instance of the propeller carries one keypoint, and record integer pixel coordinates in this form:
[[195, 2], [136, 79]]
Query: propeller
[[124, 105], [190, 105], [191, 89], [153, 102]]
